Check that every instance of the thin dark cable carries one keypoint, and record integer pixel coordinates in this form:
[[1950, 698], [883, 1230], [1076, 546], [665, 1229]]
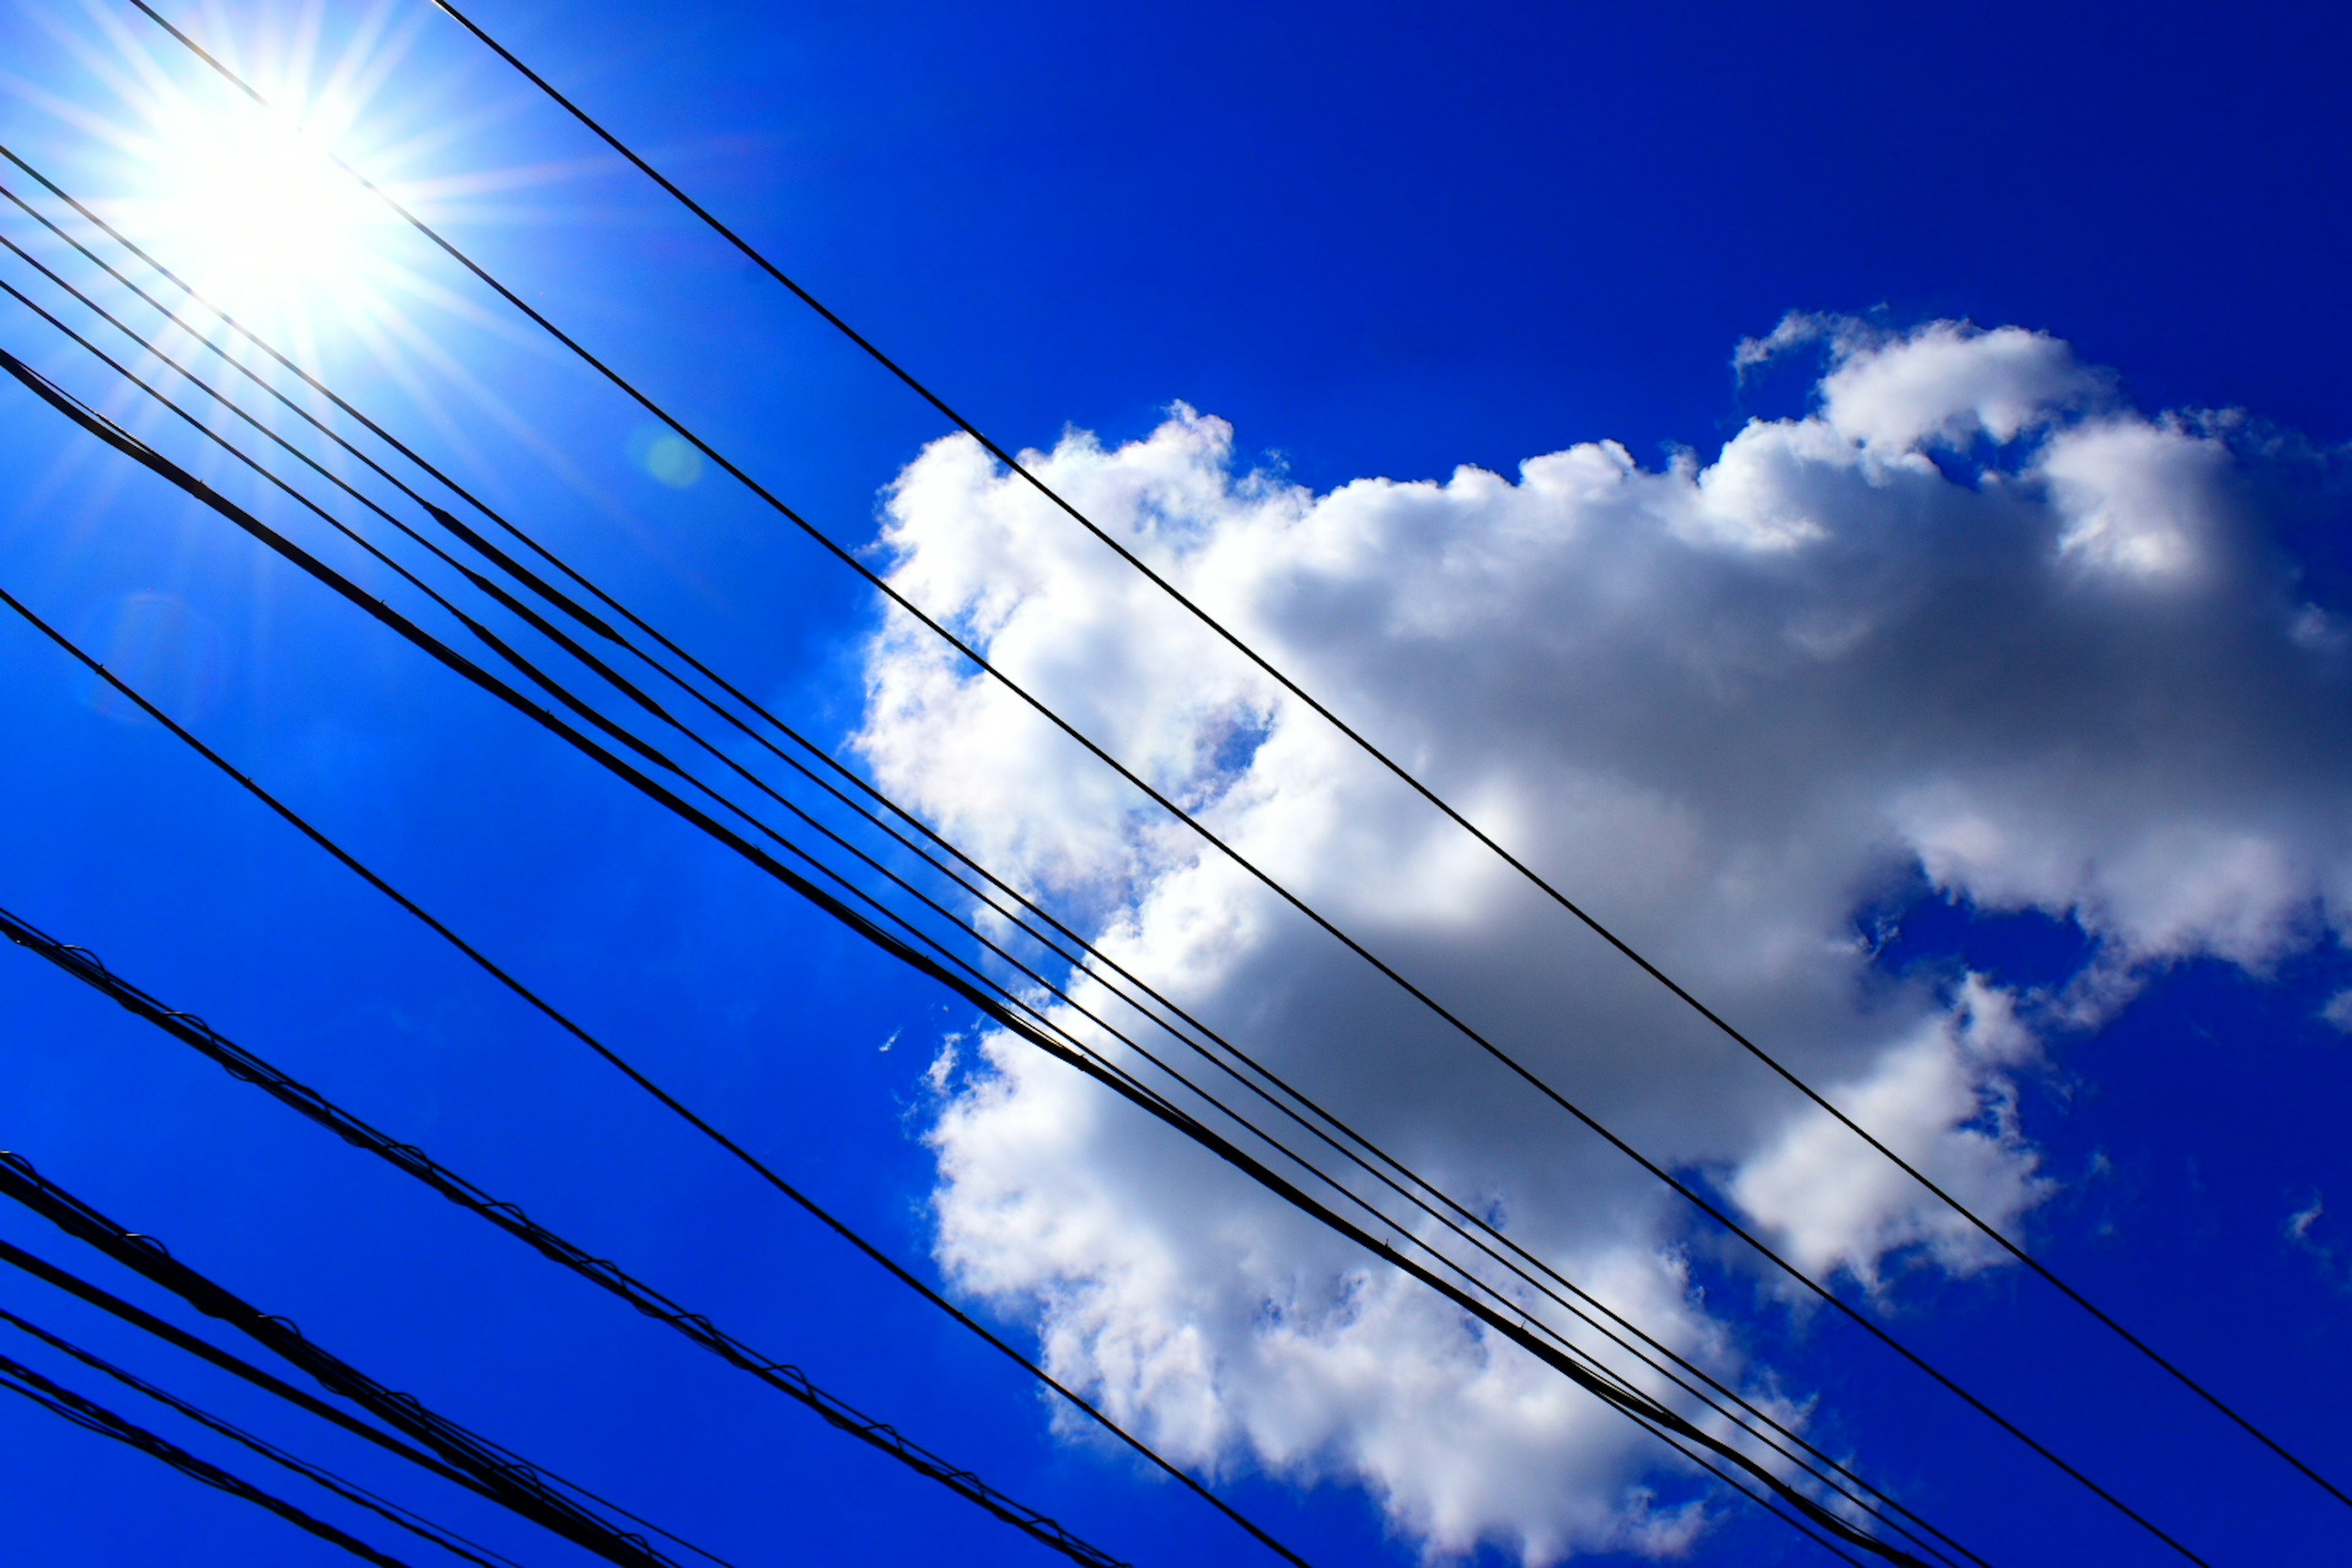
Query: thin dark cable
[[1427, 793], [1146, 1098], [239, 1062], [668, 1101], [1639, 1408], [1158, 1108], [849, 558], [350, 1492], [172, 1334], [1839, 1476], [518, 1484], [243, 1064], [92, 1416], [113, 433]]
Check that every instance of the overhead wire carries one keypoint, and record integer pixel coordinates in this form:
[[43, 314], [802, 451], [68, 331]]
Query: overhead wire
[[641, 748], [171, 1333], [1201, 830], [670, 1103], [1405, 775], [1639, 1406], [518, 1486], [1840, 1477], [1635, 1406], [92, 1416], [350, 1492], [242, 1063], [246, 1067]]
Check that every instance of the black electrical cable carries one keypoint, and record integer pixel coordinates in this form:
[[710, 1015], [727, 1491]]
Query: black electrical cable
[[518, 1486], [92, 1416], [1642, 1409], [1200, 830], [350, 1492], [1354, 737], [114, 435], [1837, 1476], [172, 1334], [243, 1064], [1638, 1407], [677, 1107], [203, 1350]]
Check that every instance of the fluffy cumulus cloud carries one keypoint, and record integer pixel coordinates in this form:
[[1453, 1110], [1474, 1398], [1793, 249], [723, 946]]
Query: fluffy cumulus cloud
[[1972, 619]]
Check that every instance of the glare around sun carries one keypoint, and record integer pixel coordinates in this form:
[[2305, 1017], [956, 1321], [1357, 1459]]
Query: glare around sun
[[252, 210]]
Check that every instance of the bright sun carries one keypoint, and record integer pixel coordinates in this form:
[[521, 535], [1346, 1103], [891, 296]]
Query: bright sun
[[251, 209]]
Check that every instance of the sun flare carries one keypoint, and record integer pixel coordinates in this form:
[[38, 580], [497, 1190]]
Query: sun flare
[[253, 210]]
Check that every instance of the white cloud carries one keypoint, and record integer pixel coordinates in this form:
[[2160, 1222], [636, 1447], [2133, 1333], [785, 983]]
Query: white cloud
[[1724, 705]]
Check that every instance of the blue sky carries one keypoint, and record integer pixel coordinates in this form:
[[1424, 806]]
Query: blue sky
[[1378, 243]]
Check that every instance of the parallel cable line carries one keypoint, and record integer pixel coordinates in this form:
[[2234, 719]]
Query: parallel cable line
[[1642, 1408], [377, 609], [243, 1064], [92, 1416], [1454, 1020], [676, 1107], [1837, 1476], [319, 1475], [171, 1333], [1639, 1408], [1354, 737], [518, 1486]]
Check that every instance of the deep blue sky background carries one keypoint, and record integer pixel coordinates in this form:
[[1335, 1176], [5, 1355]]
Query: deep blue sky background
[[1380, 240]]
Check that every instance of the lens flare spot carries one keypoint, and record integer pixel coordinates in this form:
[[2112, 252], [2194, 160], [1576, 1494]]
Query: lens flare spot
[[166, 652], [665, 456]]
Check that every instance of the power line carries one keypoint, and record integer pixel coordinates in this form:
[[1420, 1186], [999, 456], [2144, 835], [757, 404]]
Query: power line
[[677, 1107], [1837, 1476], [1380, 756], [516, 1484], [1639, 1408], [1200, 830], [204, 1349], [1519, 1334], [248, 1068], [115, 435], [92, 1416], [349, 1490], [171, 1333]]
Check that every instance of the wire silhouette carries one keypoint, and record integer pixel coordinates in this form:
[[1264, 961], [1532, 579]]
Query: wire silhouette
[[677, 1107], [270, 1383], [114, 435], [92, 1416], [1388, 763], [1518, 1331], [1679, 1434], [349, 1490], [1511, 1326], [248, 1068], [516, 1484], [1201, 830], [1836, 1475], [172, 1334]]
